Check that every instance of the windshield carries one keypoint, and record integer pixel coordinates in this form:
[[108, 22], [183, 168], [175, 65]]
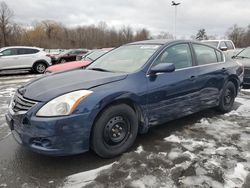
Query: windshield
[[212, 43], [93, 56], [127, 59], [244, 53]]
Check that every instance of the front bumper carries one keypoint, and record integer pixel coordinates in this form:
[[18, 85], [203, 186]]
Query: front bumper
[[51, 136]]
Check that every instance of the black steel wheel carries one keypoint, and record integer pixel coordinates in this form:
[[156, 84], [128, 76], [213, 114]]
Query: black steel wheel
[[227, 97], [115, 131]]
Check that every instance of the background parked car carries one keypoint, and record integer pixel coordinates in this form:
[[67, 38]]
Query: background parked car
[[85, 61], [67, 56], [227, 46], [244, 58], [23, 57]]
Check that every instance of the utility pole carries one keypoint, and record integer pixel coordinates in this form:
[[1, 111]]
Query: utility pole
[[175, 16]]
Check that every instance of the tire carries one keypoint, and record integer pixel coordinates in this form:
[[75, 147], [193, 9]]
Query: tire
[[227, 97], [40, 67], [63, 61], [114, 131]]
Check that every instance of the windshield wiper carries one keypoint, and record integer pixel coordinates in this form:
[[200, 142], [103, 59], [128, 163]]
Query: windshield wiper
[[89, 58], [99, 69], [242, 57]]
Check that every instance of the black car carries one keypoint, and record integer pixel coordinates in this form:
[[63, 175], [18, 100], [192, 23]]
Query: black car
[[243, 57], [68, 56]]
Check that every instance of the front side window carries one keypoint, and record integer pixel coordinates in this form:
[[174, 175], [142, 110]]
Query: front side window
[[229, 45], [204, 54], [179, 55], [9, 52], [128, 58]]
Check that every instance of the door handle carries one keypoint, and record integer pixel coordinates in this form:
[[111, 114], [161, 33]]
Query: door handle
[[224, 69], [192, 77]]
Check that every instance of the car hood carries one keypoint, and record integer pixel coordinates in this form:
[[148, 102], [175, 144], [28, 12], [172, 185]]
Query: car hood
[[244, 62], [50, 86]]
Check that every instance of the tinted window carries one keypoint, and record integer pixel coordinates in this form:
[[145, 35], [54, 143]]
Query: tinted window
[[9, 52], [22, 51], [229, 45], [179, 55], [204, 54]]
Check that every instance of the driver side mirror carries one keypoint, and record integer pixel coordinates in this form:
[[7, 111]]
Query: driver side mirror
[[223, 48], [162, 68]]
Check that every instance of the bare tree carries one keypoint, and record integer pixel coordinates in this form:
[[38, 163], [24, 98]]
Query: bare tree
[[236, 34], [201, 35], [5, 16]]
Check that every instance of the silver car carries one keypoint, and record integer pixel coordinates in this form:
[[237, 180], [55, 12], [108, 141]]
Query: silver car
[[23, 57]]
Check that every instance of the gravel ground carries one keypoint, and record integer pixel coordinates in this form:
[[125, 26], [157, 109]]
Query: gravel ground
[[206, 149]]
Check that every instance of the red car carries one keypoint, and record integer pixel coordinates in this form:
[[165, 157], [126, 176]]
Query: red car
[[86, 60]]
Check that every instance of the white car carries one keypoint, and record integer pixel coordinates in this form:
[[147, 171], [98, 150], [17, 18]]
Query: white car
[[224, 45], [23, 57]]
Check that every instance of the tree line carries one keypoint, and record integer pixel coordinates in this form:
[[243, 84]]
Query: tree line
[[51, 34]]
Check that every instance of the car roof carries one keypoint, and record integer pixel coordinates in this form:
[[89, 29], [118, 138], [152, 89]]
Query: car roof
[[159, 41], [214, 40], [28, 47]]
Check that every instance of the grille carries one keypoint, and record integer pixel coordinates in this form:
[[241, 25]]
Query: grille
[[247, 72], [21, 104]]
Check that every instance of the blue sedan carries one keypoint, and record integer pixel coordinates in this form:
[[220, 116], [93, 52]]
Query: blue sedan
[[121, 94]]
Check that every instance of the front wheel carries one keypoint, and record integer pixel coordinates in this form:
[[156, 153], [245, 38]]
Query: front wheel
[[114, 131], [227, 97]]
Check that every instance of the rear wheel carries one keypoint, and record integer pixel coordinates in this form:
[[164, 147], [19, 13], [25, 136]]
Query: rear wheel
[[63, 61], [227, 97], [115, 131], [40, 67]]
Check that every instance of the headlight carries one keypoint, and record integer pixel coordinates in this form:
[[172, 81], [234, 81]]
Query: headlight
[[63, 105]]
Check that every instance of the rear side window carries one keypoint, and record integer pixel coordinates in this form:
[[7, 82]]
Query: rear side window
[[22, 51], [229, 45], [9, 52], [204, 54], [179, 55]]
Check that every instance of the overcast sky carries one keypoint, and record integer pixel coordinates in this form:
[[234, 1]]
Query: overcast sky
[[216, 16]]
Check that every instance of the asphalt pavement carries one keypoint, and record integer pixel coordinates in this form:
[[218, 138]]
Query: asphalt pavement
[[207, 149]]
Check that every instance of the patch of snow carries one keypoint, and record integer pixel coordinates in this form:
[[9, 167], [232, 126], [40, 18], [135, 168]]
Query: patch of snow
[[197, 181], [82, 179], [237, 177], [175, 153], [146, 181], [139, 150], [173, 138]]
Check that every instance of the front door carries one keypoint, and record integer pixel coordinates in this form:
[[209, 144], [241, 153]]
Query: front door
[[8, 59], [171, 95]]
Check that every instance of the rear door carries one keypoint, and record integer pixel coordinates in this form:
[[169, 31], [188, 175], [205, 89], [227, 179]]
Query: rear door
[[212, 72], [171, 95], [8, 59], [26, 57]]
